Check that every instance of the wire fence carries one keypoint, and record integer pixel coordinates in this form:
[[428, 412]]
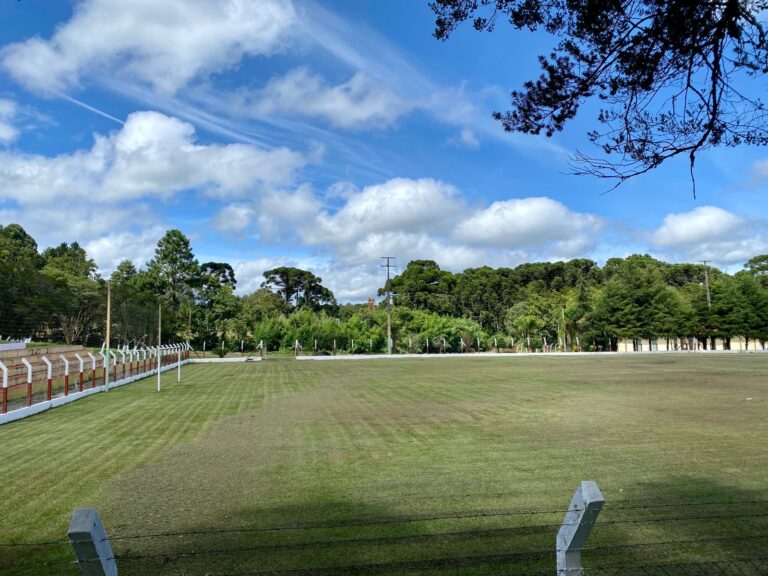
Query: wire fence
[[730, 541]]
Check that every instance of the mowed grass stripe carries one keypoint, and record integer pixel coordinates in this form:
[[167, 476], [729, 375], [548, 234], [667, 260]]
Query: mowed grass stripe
[[285, 442]]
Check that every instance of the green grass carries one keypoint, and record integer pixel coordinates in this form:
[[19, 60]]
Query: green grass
[[317, 444]]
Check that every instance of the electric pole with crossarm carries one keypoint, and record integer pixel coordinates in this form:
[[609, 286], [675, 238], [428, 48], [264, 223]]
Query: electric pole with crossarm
[[389, 266]]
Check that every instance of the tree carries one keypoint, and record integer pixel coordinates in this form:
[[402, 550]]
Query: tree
[[754, 314], [18, 250], [174, 270], [78, 303], [758, 267], [124, 274], [220, 272], [299, 287], [422, 286], [263, 304], [670, 73], [71, 259]]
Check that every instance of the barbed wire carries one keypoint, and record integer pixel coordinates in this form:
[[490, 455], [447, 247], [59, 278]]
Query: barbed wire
[[500, 555], [435, 517]]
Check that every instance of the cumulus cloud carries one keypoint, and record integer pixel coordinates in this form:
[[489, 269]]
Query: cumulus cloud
[[109, 250], [398, 205], [164, 44], [711, 233], [534, 221], [151, 155], [8, 131], [52, 223], [233, 218], [360, 101], [699, 225]]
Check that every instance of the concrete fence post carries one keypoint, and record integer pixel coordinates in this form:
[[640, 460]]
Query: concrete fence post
[[105, 365], [4, 368], [49, 377], [82, 370], [122, 361], [579, 520], [66, 373], [89, 541], [151, 363], [29, 380], [93, 369]]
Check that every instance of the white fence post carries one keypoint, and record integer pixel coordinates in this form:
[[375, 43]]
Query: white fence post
[[49, 377], [93, 369], [579, 520], [91, 545], [105, 360], [122, 362], [82, 370], [29, 380], [66, 373], [4, 368]]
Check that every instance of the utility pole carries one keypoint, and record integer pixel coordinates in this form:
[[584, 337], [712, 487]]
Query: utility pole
[[159, 333], [706, 282], [109, 334], [389, 266]]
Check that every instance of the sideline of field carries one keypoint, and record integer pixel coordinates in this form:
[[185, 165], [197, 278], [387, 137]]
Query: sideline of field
[[60, 400], [224, 360], [521, 354]]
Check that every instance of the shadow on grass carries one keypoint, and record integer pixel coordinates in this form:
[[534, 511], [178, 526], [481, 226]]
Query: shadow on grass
[[336, 537], [684, 525], [682, 521]]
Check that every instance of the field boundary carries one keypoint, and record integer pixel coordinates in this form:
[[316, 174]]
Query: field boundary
[[39, 407], [520, 354], [223, 360]]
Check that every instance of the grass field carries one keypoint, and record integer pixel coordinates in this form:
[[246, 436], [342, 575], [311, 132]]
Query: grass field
[[444, 466]]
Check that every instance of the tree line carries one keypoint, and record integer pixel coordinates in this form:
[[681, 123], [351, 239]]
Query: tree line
[[58, 295]]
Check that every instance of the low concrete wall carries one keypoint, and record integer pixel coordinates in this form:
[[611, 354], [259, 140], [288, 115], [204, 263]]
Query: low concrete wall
[[223, 360], [518, 354], [6, 346]]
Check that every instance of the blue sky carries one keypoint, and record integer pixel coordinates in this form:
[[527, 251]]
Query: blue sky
[[322, 135]]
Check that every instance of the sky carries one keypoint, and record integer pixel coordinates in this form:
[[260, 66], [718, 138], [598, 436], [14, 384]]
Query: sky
[[323, 135]]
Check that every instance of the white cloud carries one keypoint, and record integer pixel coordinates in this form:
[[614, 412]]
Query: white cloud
[[8, 131], [164, 44], [713, 234], [529, 222], [398, 205], [108, 251], [359, 102], [250, 273], [286, 215], [702, 224], [51, 223], [151, 155], [233, 218], [465, 139]]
